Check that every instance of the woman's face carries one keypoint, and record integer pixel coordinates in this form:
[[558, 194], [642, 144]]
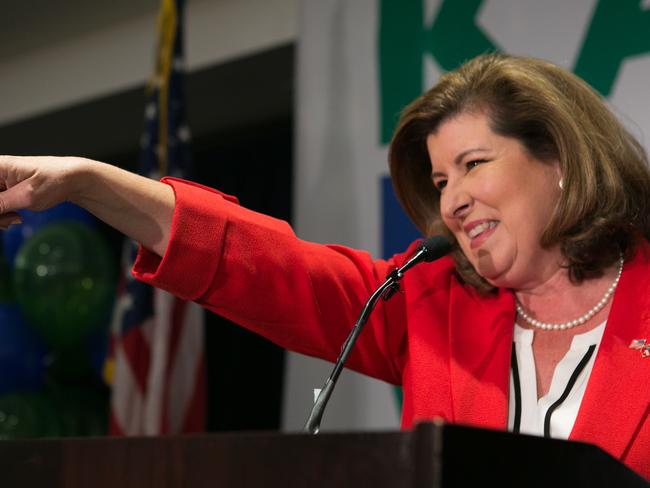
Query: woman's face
[[496, 199]]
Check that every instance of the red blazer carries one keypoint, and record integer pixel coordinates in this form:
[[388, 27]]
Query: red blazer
[[448, 346]]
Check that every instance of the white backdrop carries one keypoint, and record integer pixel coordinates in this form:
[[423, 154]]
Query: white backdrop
[[341, 153]]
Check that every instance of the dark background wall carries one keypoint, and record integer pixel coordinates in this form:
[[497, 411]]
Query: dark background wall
[[241, 117]]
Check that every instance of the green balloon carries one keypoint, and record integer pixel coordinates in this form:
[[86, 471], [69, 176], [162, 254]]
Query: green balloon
[[18, 418], [28, 415], [64, 282]]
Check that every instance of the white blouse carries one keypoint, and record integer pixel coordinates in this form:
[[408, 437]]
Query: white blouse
[[554, 414]]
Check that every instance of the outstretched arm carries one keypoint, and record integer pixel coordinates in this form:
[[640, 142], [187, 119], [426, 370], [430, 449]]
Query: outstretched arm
[[246, 266], [139, 207]]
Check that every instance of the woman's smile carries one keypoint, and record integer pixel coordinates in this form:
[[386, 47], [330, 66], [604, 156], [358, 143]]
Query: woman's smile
[[479, 231]]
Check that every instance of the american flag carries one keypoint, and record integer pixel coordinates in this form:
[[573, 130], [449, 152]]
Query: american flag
[[156, 362]]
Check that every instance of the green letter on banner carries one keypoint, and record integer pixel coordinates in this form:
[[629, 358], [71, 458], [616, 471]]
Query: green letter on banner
[[619, 29], [400, 59], [404, 40]]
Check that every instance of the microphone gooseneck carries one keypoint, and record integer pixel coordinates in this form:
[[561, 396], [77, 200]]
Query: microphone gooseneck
[[429, 250]]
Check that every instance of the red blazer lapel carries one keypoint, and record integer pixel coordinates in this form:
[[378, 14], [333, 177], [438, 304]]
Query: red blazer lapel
[[617, 395], [481, 331]]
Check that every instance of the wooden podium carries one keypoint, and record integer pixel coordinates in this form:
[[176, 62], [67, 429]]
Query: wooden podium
[[433, 455]]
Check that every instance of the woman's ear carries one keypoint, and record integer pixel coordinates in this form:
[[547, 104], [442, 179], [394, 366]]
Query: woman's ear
[[560, 176]]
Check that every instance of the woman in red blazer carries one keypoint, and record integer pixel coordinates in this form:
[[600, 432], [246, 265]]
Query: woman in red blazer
[[539, 323]]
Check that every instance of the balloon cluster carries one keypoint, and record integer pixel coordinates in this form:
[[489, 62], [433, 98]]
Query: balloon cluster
[[57, 286]]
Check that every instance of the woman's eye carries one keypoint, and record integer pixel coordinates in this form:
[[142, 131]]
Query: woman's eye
[[440, 184], [474, 163]]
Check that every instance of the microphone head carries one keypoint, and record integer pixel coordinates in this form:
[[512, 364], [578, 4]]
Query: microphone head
[[435, 247]]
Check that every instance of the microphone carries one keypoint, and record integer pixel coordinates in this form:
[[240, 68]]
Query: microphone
[[431, 249]]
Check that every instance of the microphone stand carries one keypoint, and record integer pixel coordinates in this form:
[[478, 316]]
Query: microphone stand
[[385, 291]]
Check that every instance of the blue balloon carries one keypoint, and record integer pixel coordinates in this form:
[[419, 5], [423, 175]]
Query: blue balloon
[[23, 354], [14, 237]]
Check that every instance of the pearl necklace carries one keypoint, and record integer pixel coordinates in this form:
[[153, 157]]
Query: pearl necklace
[[580, 320]]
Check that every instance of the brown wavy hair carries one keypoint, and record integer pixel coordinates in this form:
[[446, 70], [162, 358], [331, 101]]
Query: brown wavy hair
[[605, 205]]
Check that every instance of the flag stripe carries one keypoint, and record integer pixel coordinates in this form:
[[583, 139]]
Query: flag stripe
[[187, 341]]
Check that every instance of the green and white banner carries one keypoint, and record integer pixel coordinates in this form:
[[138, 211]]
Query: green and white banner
[[360, 62]]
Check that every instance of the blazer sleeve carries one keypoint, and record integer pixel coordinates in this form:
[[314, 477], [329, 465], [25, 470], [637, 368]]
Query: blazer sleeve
[[253, 270]]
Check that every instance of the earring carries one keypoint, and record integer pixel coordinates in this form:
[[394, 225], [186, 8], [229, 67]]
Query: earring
[[561, 183]]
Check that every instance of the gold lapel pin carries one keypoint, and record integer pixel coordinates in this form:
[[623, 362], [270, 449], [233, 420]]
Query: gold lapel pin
[[641, 345]]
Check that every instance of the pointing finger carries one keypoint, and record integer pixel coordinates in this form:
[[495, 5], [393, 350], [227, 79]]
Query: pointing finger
[[16, 197]]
